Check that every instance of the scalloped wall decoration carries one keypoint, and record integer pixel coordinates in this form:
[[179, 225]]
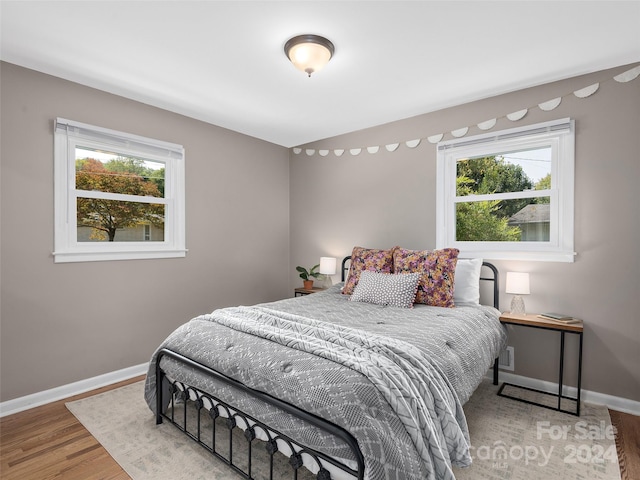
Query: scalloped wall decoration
[[519, 115], [550, 104], [392, 147], [587, 91], [546, 106], [461, 132], [627, 76], [488, 124]]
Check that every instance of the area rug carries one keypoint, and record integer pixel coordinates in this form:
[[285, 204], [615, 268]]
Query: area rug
[[510, 440]]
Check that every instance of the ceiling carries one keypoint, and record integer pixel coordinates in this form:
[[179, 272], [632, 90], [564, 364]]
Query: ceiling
[[223, 62]]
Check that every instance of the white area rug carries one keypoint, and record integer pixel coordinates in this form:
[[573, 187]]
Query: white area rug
[[510, 440]]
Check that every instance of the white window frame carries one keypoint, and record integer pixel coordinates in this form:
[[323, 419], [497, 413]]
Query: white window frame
[[557, 134], [69, 134]]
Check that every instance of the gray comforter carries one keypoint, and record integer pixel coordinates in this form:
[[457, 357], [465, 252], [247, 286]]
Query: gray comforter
[[395, 378]]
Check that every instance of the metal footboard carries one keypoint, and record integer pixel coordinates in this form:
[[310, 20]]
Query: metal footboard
[[195, 403]]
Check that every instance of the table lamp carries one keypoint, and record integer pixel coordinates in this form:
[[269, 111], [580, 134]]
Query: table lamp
[[327, 268], [517, 284]]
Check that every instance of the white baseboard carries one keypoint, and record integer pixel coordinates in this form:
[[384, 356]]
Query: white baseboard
[[64, 391], [615, 403], [47, 396]]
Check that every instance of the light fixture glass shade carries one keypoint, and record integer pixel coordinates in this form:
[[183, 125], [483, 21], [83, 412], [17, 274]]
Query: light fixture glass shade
[[309, 53], [328, 265]]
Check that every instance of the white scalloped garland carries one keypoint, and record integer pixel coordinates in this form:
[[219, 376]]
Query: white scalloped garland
[[460, 132], [550, 104], [587, 91], [519, 115], [546, 106], [392, 147], [488, 124], [627, 76]]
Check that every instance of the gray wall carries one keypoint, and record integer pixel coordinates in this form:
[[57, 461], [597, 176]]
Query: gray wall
[[67, 322], [388, 199], [254, 211]]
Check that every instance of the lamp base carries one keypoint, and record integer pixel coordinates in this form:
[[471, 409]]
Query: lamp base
[[517, 305], [327, 281]]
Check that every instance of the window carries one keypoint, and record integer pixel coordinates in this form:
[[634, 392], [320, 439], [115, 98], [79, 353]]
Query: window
[[509, 194], [117, 196]]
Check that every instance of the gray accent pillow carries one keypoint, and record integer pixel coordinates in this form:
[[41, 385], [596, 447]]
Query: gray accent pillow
[[394, 290]]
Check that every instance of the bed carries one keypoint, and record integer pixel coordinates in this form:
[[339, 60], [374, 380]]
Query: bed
[[347, 389]]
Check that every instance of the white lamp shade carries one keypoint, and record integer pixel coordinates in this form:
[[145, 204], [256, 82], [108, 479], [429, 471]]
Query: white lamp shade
[[328, 265], [517, 283]]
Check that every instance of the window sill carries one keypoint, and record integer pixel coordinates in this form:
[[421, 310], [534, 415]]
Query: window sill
[[566, 257], [69, 257]]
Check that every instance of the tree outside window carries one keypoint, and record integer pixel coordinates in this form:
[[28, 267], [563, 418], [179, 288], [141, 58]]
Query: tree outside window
[[128, 176], [496, 220]]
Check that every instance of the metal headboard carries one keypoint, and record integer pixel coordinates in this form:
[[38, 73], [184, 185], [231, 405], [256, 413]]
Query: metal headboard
[[493, 278]]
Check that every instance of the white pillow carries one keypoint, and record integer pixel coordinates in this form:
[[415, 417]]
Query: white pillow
[[394, 290], [466, 285]]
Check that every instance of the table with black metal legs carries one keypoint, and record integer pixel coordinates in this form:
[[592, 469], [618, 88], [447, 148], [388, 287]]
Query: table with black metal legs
[[563, 328]]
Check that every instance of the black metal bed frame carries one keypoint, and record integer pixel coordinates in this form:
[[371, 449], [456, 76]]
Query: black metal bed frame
[[204, 403], [248, 423]]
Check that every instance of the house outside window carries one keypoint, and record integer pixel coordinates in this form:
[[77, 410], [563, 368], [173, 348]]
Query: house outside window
[[117, 196], [508, 194]]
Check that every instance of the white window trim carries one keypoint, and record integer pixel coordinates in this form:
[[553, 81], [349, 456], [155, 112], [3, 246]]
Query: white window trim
[[67, 134], [560, 135]]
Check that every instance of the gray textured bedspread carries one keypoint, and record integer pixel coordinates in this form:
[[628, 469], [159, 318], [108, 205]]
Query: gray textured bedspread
[[394, 378]]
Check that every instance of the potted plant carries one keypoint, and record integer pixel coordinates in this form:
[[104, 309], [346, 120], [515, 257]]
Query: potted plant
[[306, 274]]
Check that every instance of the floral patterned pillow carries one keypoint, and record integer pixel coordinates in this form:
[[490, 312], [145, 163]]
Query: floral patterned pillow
[[380, 261], [438, 269]]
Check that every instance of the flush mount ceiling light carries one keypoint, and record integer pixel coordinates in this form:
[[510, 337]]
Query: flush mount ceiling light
[[309, 53]]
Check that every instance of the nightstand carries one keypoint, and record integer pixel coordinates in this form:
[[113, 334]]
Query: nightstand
[[300, 292], [534, 321]]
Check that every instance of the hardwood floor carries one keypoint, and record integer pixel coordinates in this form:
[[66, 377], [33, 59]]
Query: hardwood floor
[[48, 443], [627, 444]]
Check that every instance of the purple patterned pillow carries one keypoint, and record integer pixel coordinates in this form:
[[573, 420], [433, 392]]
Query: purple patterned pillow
[[374, 260], [438, 269]]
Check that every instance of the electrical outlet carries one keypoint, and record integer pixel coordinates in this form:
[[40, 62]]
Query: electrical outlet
[[507, 359]]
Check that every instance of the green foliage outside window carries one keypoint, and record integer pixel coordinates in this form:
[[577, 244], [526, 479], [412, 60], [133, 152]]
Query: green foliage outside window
[[489, 220], [125, 176]]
